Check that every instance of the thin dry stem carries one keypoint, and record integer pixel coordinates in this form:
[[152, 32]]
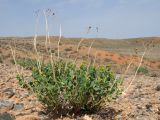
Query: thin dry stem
[[14, 59], [35, 44], [79, 44], [114, 82], [90, 49], [52, 64], [35, 36], [89, 54], [146, 48], [60, 35], [82, 39], [125, 91], [46, 22], [95, 57], [122, 77]]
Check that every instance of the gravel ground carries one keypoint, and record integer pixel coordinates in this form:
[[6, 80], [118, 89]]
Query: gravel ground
[[141, 102]]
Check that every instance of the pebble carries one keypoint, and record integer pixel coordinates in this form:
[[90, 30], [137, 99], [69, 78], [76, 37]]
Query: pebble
[[158, 111], [139, 107], [41, 113], [18, 106], [9, 92], [5, 104], [148, 107], [158, 88], [6, 116]]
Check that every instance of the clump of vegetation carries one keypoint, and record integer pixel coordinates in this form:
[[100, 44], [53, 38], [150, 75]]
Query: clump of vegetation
[[143, 70], [26, 63], [64, 87]]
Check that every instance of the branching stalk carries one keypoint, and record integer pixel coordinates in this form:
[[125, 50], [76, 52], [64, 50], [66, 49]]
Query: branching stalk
[[125, 91]]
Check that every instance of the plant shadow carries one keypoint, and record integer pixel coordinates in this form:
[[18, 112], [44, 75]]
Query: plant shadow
[[103, 114]]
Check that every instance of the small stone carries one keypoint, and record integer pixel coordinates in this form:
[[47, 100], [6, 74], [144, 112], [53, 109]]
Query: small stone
[[7, 105], [158, 88], [158, 111], [139, 107], [148, 107], [9, 92], [6, 116], [18, 106], [41, 113]]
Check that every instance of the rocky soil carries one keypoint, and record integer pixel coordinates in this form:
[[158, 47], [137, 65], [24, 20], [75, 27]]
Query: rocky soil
[[142, 101]]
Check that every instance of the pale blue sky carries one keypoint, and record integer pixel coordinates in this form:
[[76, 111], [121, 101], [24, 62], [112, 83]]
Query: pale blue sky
[[115, 18]]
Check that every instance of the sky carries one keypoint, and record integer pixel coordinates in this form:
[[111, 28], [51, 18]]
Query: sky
[[114, 18]]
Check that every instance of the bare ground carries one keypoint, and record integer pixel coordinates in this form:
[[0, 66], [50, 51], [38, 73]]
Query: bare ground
[[142, 101]]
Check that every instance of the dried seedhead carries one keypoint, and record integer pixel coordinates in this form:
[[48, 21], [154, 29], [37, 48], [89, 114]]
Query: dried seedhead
[[49, 12]]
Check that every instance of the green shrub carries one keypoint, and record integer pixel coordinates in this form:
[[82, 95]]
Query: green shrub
[[143, 70], [27, 63], [64, 87]]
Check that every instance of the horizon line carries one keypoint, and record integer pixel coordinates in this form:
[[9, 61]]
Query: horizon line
[[26, 36]]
